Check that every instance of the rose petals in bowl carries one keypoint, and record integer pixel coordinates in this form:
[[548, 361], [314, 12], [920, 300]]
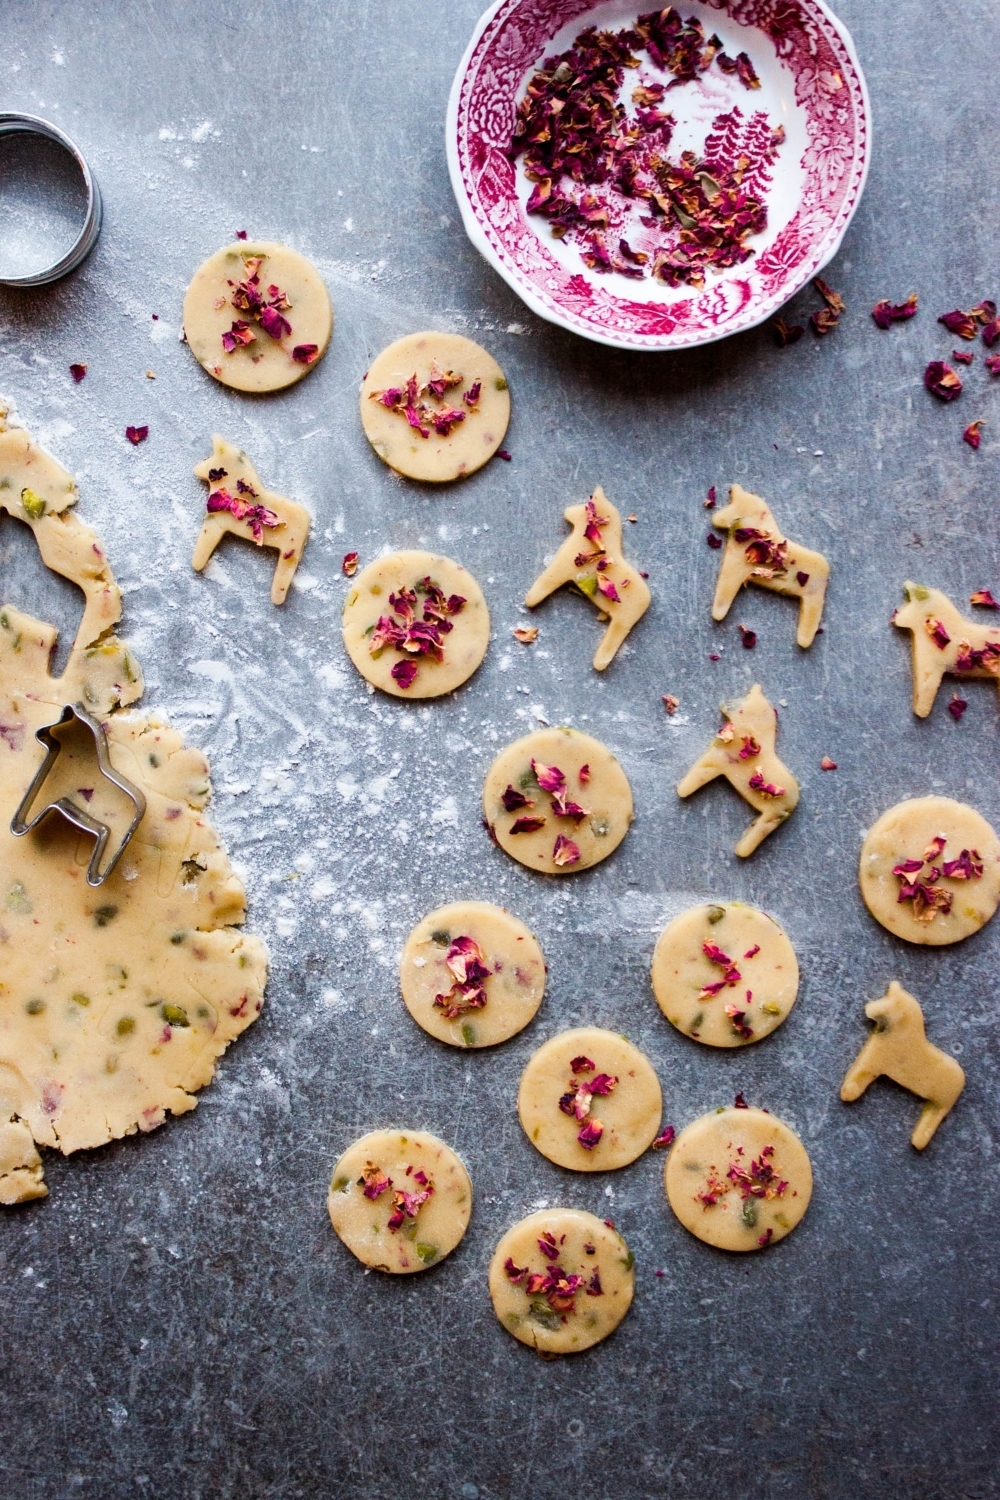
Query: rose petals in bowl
[[810, 83]]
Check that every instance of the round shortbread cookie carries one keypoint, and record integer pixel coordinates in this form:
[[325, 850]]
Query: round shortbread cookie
[[553, 769], [442, 978], [435, 406], [568, 1295], [400, 1200], [738, 1178], [426, 619], [257, 316], [589, 1100], [930, 871], [725, 974]]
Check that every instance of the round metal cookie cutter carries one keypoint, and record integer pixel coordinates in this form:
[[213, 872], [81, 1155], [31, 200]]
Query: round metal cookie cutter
[[12, 123]]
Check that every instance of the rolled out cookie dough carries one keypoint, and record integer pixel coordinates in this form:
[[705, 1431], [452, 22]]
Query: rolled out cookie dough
[[725, 974], [568, 1295], [278, 326], [400, 1200], [238, 502], [952, 885], [739, 1179], [442, 962], [589, 1100], [588, 785], [461, 417], [114, 1003], [944, 642], [415, 625]]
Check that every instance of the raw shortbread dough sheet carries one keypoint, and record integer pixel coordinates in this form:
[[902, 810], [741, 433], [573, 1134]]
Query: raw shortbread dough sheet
[[738, 1178], [415, 625], [442, 982], [435, 406], [557, 801], [115, 1002], [725, 974], [561, 1280], [589, 1100], [930, 871], [257, 316], [400, 1200]]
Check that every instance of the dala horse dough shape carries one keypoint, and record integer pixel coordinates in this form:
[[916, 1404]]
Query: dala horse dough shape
[[239, 503], [944, 642], [591, 558], [899, 1049], [756, 552], [744, 752]]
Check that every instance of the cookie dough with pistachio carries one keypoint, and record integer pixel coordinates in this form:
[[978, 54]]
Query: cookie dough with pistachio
[[930, 871], [738, 1178], [589, 1100], [561, 1280], [257, 316], [115, 1003], [725, 974], [415, 625], [239, 503], [400, 1200], [435, 406], [557, 801], [471, 974]]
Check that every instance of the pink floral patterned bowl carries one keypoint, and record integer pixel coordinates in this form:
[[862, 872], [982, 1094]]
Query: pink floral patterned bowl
[[791, 120]]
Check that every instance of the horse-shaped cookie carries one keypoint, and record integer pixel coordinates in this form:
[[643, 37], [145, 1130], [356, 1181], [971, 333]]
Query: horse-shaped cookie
[[743, 751], [899, 1049], [944, 642], [238, 502], [591, 558], [756, 552]]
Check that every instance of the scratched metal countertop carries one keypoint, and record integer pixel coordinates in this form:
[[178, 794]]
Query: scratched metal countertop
[[177, 1319]]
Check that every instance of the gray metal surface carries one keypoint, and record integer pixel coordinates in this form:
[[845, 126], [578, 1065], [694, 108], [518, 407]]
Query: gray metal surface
[[177, 1319]]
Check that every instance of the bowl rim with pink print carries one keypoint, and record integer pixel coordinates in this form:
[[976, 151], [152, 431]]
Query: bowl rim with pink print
[[812, 84]]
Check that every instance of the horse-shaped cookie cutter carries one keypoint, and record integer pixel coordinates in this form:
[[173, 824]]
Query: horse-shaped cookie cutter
[[79, 816]]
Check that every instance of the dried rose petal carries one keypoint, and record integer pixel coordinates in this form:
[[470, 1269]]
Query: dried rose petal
[[765, 788], [241, 234], [785, 334], [530, 824], [709, 500], [78, 372], [583, 775], [582, 1064], [715, 542], [886, 313], [984, 598], [502, 453], [273, 323], [968, 866], [670, 703], [937, 632], [992, 363], [590, 1134], [765, 1238], [824, 321], [957, 707], [514, 1273], [942, 381], [238, 336], [349, 566], [137, 435], [972, 434], [833, 300], [471, 396], [739, 1102], [305, 354], [373, 1181], [526, 634], [512, 799], [594, 1288], [826, 764], [549, 778], [745, 72], [962, 323], [609, 591], [963, 356], [991, 332], [665, 1138], [565, 852], [747, 637], [404, 673]]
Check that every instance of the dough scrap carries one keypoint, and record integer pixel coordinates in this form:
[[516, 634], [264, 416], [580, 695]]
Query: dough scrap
[[302, 317], [949, 891], [433, 604], [238, 502], [738, 1179], [407, 1178], [435, 963], [757, 552], [725, 974], [523, 816], [744, 752], [898, 1049], [591, 558], [579, 1295], [464, 416], [589, 1100], [114, 1003], [944, 642]]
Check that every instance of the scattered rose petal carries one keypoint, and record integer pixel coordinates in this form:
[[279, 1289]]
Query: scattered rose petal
[[590, 1134], [747, 637], [766, 1237], [512, 799], [740, 1103], [664, 1139], [886, 313], [785, 334], [957, 707], [833, 300], [765, 788], [549, 778], [609, 591], [745, 72], [349, 566], [305, 354], [824, 321], [992, 363], [972, 434], [526, 634], [404, 673], [714, 541], [583, 775], [984, 598], [826, 764], [530, 824], [963, 356], [502, 453], [709, 500], [78, 372], [565, 852], [137, 435], [670, 703], [942, 381], [991, 332], [241, 234], [962, 323], [714, 656]]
